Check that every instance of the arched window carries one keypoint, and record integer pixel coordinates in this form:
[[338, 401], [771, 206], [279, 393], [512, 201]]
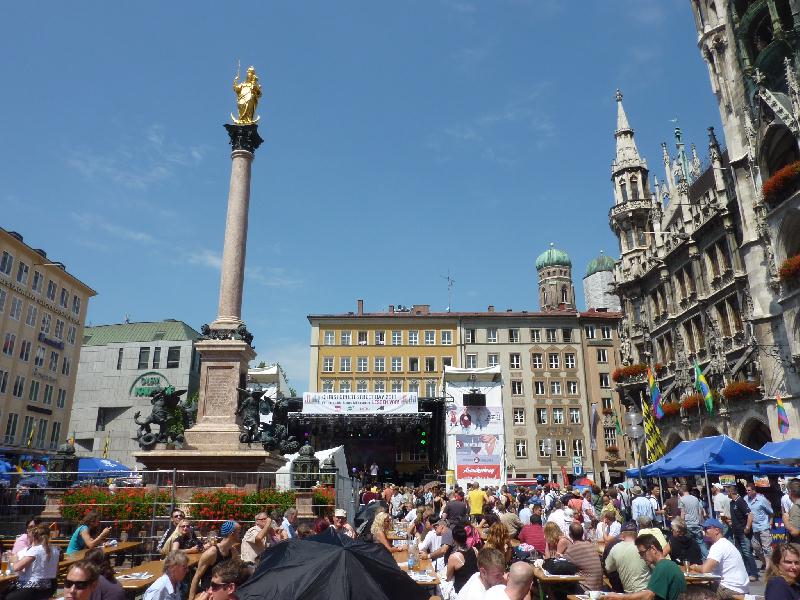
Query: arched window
[[778, 149], [623, 191], [634, 188], [564, 295]]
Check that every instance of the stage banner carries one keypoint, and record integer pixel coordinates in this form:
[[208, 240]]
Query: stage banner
[[473, 419], [478, 458], [360, 404]]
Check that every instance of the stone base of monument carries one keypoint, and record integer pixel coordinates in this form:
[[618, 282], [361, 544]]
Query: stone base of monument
[[52, 505], [239, 466]]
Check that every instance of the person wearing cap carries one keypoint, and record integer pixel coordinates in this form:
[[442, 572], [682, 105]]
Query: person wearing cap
[[761, 509], [666, 582], [741, 527], [723, 560], [222, 551], [720, 502], [432, 541], [624, 560], [692, 515], [441, 528], [340, 524], [641, 505]]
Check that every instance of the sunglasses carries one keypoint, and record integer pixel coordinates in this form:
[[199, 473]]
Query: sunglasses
[[185, 526], [217, 586], [178, 516], [80, 585]]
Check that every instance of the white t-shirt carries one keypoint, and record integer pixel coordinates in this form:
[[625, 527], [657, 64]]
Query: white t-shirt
[[786, 503], [559, 517], [432, 543], [730, 567], [613, 530], [473, 589], [42, 567], [411, 516], [496, 592]]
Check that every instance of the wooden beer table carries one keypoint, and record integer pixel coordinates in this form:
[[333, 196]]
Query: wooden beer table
[[425, 566], [68, 559], [154, 567], [545, 580]]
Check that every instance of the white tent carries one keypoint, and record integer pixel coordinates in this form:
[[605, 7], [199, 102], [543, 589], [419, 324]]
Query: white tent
[[344, 484]]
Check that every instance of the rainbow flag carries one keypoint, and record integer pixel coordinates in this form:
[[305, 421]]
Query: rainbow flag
[[783, 418], [702, 386], [655, 394]]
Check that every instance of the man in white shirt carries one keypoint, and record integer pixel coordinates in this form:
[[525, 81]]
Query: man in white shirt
[[491, 572], [432, 541], [520, 578], [559, 516], [722, 504], [170, 585], [254, 540], [725, 560], [608, 529]]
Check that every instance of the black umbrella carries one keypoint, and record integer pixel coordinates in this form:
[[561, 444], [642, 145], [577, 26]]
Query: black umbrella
[[329, 566], [368, 512]]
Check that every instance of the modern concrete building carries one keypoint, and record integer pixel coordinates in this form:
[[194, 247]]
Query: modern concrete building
[[120, 365], [42, 314]]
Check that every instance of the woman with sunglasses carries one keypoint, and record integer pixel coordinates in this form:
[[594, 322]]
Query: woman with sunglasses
[[37, 568], [187, 539], [165, 543], [782, 574]]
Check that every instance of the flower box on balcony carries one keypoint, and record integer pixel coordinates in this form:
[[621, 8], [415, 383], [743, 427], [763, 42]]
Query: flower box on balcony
[[691, 401], [790, 268], [740, 390], [621, 374], [608, 411], [670, 408], [781, 185]]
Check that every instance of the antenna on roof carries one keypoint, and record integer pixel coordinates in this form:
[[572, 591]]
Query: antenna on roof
[[450, 283], [127, 318]]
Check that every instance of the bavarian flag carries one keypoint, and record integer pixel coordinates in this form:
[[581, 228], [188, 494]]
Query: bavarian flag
[[655, 394], [783, 418], [652, 435], [702, 386]]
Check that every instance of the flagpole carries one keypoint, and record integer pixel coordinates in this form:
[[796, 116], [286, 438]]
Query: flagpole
[[708, 490]]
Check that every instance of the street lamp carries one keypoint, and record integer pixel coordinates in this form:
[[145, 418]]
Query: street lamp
[[547, 446], [635, 432]]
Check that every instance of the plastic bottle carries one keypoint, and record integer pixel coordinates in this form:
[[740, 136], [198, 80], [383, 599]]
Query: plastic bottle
[[412, 555]]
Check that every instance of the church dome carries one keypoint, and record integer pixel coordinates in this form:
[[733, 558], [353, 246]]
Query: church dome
[[553, 257], [601, 263]]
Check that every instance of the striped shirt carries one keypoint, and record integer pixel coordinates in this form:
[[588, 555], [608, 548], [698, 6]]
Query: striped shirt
[[584, 555]]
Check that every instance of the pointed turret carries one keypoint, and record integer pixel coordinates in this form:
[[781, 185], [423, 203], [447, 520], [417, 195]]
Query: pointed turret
[[627, 153]]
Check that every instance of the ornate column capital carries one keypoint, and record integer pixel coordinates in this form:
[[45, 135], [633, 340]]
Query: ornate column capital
[[244, 137]]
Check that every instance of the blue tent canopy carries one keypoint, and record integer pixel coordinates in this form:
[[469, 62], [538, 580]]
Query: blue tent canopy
[[786, 449], [714, 455], [94, 468]]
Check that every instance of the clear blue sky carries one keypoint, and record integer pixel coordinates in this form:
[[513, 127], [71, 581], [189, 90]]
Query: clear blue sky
[[402, 139]]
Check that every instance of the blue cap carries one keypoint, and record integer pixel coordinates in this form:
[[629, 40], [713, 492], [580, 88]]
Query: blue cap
[[713, 523], [535, 500], [227, 527]]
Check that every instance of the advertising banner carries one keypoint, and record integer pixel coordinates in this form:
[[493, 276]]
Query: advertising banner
[[478, 458], [360, 404], [473, 419]]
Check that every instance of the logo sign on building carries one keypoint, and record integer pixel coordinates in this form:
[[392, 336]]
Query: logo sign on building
[[360, 404], [478, 458], [473, 419], [146, 383]]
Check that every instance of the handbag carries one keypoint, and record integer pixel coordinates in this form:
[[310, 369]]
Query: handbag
[[560, 566]]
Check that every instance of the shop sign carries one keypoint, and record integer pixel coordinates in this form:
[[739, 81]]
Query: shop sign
[[146, 383]]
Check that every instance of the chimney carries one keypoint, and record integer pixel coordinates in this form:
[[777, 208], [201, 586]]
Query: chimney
[[490, 308], [360, 308], [421, 309], [391, 309]]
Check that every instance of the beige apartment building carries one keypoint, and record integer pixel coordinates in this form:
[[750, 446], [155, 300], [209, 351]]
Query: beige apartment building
[[42, 315]]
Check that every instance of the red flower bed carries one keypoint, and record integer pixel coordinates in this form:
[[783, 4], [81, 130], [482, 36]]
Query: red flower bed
[[781, 185], [739, 390], [790, 268], [622, 373], [126, 507]]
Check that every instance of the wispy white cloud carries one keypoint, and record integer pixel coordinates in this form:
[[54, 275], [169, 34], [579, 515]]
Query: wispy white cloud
[[204, 258], [273, 277], [92, 221]]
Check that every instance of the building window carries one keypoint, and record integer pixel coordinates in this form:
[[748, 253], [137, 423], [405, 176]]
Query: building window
[[577, 448], [605, 332], [63, 299], [605, 383], [491, 335], [59, 331], [45, 328], [472, 361], [430, 364], [346, 337], [553, 360], [607, 403], [543, 453], [516, 388], [380, 386], [447, 361], [397, 386], [515, 360], [494, 360], [413, 386], [558, 416], [538, 388], [327, 364], [11, 428], [430, 388], [71, 335], [610, 436], [521, 448], [55, 434], [362, 364], [156, 357], [47, 399], [397, 338], [344, 386], [430, 338], [173, 357], [536, 361], [572, 387], [555, 388], [327, 386], [589, 332], [575, 416], [6, 263], [330, 338], [76, 306], [561, 448], [541, 416], [361, 385], [380, 338], [33, 391], [41, 433], [53, 366], [3, 381], [16, 308], [413, 364], [413, 338], [513, 336], [566, 335], [344, 364], [8, 344], [25, 351], [469, 335], [519, 416], [380, 364], [397, 364], [38, 360], [36, 284], [66, 364], [22, 273], [447, 337], [119, 358], [551, 335], [27, 429], [3, 296], [536, 336], [19, 387], [144, 358], [30, 318], [602, 355], [362, 338], [569, 360], [51, 290]]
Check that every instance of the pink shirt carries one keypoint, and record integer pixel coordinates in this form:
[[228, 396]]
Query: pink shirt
[[21, 543]]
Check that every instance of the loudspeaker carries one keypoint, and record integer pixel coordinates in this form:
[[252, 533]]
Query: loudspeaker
[[474, 399]]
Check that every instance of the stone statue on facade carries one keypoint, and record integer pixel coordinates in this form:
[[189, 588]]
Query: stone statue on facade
[[625, 345], [168, 413]]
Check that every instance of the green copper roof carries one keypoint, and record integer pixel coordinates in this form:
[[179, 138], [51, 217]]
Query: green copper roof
[[601, 263], [168, 330], [553, 257]]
